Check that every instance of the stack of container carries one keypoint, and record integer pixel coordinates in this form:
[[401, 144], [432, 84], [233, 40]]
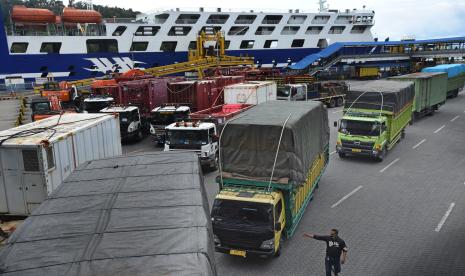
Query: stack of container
[[198, 95]]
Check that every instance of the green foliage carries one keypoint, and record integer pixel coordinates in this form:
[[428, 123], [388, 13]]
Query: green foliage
[[57, 7]]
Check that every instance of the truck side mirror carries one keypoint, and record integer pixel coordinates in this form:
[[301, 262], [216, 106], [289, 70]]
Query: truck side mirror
[[277, 226], [215, 138], [335, 123]]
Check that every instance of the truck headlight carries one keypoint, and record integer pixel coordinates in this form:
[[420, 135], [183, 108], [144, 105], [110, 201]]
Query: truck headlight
[[152, 130], [268, 244]]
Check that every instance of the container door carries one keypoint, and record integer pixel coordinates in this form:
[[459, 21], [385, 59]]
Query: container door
[[33, 180], [12, 178]]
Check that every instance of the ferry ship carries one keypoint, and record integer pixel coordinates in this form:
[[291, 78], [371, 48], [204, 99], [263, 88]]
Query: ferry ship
[[79, 44]]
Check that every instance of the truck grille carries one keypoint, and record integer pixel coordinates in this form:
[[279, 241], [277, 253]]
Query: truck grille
[[358, 145], [236, 239]]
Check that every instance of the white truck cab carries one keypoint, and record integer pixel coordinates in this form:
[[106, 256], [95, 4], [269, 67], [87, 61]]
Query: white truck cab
[[162, 116], [292, 92], [94, 104], [129, 120], [197, 136]]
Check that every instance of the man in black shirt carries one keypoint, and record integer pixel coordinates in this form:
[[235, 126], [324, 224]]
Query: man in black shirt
[[335, 247]]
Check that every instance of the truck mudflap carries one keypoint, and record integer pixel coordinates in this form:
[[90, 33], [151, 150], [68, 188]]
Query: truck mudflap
[[244, 252]]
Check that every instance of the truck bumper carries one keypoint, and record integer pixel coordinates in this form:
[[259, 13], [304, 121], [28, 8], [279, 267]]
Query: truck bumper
[[358, 152], [129, 135], [158, 139], [248, 252], [207, 161]]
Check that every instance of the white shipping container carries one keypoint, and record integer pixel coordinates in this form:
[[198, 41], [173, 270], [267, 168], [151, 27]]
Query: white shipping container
[[254, 92], [35, 158]]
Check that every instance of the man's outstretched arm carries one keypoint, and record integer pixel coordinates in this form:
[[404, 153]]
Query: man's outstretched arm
[[308, 235]]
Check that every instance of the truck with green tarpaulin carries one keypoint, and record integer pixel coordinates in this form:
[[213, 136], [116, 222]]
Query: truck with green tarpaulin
[[375, 116], [271, 159], [455, 77], [430, 91]]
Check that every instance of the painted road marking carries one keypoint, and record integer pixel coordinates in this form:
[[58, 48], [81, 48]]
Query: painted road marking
[[444, 218], [439, 129], [347, 196], [337, 111], [455, 118], [419, 144], [390, 164], [333, 152]]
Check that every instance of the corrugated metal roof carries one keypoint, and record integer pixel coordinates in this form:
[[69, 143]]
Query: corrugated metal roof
[[50, 129]]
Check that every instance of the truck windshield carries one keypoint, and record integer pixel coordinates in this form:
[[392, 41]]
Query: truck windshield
[[243, 212], [284, 92], [166, 118], [41, 107], [188, 137], [95, 107], [365, 128]]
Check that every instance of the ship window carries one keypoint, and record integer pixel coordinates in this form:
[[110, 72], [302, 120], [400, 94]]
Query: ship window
[[50, 47], [217, 18], [314, 30], [179, 30], [210, 29], [321, 19], [270, 44], [168, 46], [227, 43], [187, 18], [297, 19], [358, 29], [264, 30], [147, 30], [247, 44], [30, 160], [161, 18], [238, 30], [298, 43], [272, 19], [102, 46], [192, 45], [119, 30], [19, 47], [50, 159], [336, 29], [245, 19], [344, 19], [290, 30], [139, 46]]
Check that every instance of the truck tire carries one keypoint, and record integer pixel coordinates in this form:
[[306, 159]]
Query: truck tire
[[341, 155], [140, 135], [332, 103], [402, 134], [214, 166], [339, 102], [380, 158]]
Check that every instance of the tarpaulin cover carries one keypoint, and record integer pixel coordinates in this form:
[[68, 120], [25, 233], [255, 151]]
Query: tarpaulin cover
[[136, 215], [249, 143], [452, 70], [395, 95]]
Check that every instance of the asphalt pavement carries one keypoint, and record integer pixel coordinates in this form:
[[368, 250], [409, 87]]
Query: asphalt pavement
[[403, 216]]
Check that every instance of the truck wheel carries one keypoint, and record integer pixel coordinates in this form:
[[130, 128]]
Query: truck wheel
[[402, 134], [332, 103], [380, 158], [214, 166], [341, 154], [140, 135], [339, 102]]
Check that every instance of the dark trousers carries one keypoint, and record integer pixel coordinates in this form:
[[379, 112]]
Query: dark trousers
[[334, 264]]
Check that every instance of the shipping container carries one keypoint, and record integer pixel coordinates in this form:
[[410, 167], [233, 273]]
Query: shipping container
[[221, 113], [430, 91], [255, 92], [455, 74], [364, 72], [198, 95], [35, 158], [143, 214]]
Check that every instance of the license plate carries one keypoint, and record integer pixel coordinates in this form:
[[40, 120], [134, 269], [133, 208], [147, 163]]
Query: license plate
[[237, 253], [356, 150]]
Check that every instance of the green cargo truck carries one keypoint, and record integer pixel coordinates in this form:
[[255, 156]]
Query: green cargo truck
[[375, 116], [271, 160], [430, 91], [455, 74]]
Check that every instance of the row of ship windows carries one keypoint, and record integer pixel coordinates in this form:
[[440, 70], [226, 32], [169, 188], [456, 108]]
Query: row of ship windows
[[237, 30], [268, 19], [111, 46]]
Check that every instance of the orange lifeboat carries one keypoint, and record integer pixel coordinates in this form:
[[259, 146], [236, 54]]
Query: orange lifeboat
[[30, 15], [72, 15]]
